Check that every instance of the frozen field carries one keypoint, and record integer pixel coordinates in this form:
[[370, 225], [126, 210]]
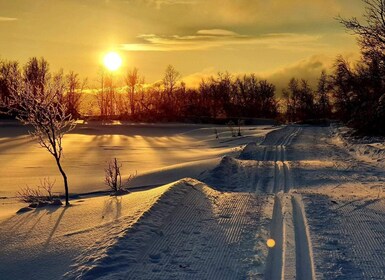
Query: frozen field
[[319, 197], [140, 148]]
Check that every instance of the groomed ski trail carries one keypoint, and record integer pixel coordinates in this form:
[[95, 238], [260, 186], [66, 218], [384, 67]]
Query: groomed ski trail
[[291, 257]]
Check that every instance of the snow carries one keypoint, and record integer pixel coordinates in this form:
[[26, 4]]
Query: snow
[[208, 208], [42, 243], [141, 148], [46, 243], [192, 232]]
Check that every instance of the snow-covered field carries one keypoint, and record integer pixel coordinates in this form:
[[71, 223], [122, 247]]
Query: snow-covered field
[[306, 187]]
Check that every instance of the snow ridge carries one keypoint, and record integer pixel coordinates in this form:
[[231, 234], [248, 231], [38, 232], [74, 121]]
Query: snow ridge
[[192, 232]]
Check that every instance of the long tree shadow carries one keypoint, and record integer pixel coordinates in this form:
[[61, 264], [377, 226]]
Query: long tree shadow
[[63, 210]]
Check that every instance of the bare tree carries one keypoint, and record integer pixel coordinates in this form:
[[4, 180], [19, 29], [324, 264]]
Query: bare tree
[[371, 35], [323, 101], [133, 82], [170, 79], [39, 106], [36, 74], [10, 78], [73, 96], [106, 97]]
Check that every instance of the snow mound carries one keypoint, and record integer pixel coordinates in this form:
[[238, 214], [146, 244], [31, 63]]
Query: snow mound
[[249, 152], [94, 262], [191, 232], [232, 175]]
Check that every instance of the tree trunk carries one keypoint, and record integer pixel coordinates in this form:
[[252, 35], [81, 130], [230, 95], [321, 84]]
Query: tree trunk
[[64, 179]]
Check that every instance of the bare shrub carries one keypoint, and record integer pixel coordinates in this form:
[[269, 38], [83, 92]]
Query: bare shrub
[[47, 185], [29, 195], [216, 133], [113, 177], [35, 195], [231, 127], [240, 123]]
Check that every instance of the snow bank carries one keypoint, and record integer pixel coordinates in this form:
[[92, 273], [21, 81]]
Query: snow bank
[[370, 149], [233, 175], [192, 231], [43, 242]]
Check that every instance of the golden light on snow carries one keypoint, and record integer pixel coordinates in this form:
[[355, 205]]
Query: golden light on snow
[[112, 61], [270, 243]]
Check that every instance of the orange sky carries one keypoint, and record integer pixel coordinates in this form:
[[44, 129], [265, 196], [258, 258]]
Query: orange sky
[[276, 39]]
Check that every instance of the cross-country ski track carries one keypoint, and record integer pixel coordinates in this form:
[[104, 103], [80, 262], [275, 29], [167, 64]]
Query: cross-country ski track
[[300, 185], [216, 226]]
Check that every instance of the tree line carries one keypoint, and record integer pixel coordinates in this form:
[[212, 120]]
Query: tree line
[[346, 94], [352, 93]]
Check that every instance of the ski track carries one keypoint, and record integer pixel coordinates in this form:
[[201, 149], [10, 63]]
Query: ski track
[[346, 227], [291, 258], [216, 228], [193, 232]]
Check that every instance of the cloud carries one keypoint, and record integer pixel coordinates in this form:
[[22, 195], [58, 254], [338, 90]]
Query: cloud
[[159, 3], [246, 11], [213, 38], [216, 32], [193, 80], [308, 69], [7, 19], [270, 11]]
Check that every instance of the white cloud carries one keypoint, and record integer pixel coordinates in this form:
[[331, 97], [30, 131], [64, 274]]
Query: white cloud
[[212, 38], [308, 69], [217, 32]]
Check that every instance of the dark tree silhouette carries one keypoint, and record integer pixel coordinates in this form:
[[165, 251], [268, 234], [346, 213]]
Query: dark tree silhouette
[[371, 34], [73, 96], [36, 74], [360, 90], [134, 83], [10, 78], [323, 100]]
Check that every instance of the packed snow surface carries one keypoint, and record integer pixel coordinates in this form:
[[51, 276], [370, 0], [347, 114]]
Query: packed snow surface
[[307, 187]]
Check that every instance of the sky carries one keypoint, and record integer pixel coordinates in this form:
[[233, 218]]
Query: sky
[[276, 39]]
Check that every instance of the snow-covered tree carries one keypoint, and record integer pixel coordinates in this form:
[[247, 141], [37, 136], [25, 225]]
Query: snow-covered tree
[[40, 106]]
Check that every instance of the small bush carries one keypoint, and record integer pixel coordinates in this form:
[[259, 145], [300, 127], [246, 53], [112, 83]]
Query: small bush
[[29, 195], [231, 126], [113, 177], [240, 123], [36, 197]]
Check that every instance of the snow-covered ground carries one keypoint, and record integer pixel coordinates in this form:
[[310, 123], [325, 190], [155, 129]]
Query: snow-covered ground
[[142, 148], [306, 187]]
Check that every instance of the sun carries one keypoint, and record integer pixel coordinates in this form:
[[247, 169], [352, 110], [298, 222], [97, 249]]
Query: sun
[[112, 61]]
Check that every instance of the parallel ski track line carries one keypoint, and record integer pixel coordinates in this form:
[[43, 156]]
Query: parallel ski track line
[[303, 249], [275, 259], [178, 248], [289, 227]]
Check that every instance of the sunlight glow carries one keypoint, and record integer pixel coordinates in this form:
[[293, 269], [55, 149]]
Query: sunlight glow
[[112, 61]]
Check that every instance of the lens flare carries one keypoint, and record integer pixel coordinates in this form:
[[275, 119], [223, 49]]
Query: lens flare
[[270, 243]]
